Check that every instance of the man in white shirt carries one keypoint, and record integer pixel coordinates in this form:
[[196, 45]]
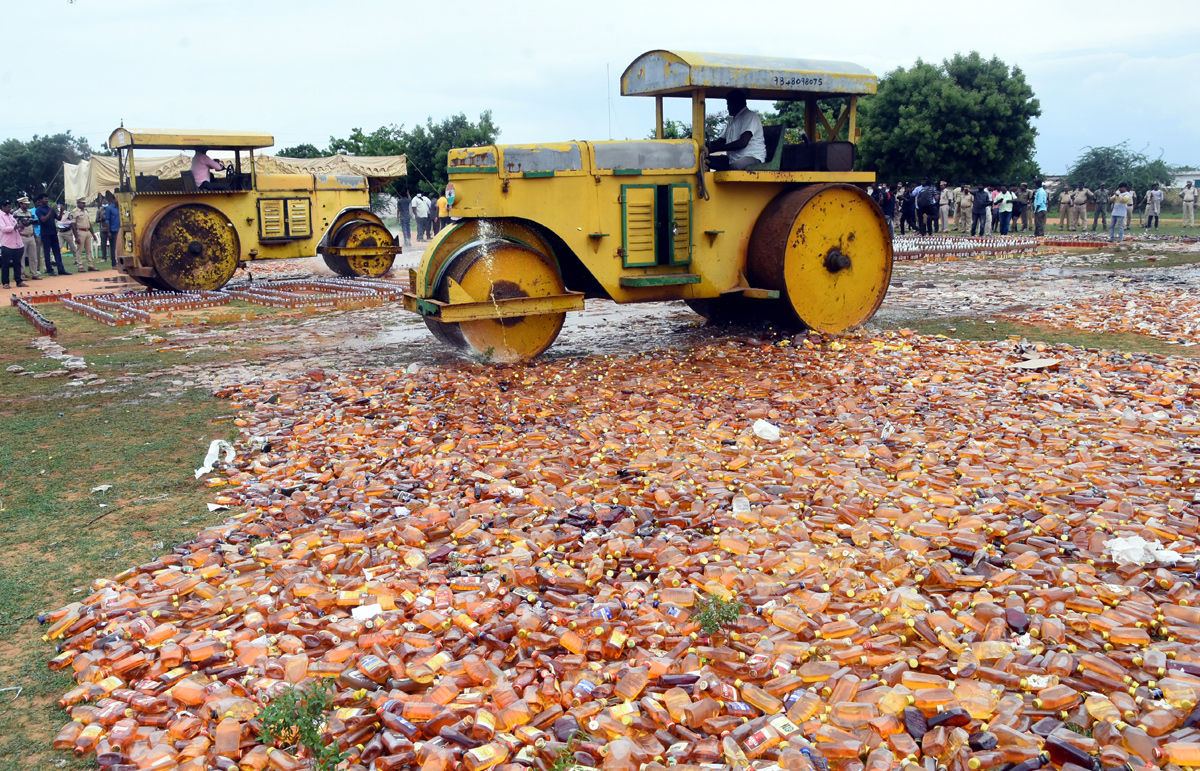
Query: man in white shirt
[[420, 208], [743, 141], [1122, 202], [1189, 197]]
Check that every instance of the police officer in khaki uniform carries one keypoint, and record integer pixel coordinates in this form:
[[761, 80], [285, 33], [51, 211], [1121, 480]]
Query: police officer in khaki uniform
[[25, 219], [1100, 213], [1189, 197], [1025, 201], [963, 200], [1079, 202], [1064, 208], [85, 234]]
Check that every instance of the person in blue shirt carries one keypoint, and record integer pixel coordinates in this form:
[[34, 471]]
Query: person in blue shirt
[[1040, 209], [112, 217], [46, 216]]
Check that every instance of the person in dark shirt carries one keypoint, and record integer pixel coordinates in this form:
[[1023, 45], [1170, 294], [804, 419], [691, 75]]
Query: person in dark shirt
[[908, 210], [112, 220], [983, 202], [47, 216], [886, 199]]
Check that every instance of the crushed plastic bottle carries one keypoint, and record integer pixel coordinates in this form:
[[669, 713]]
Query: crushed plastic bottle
[[585, 562]]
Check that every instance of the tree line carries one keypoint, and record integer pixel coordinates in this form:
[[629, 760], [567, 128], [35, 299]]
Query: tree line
[[36, 166], [426, 148]]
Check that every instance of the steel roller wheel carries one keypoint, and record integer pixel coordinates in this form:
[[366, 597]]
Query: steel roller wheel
[[361, 233], [192, 246], [826, 249], [499, 269], [449, 242], [447, 334]]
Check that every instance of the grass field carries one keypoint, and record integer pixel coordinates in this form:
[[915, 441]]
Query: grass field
[[56, 535]]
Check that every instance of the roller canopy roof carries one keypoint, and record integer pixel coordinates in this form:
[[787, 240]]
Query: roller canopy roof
[[179, 139], [676, 73]]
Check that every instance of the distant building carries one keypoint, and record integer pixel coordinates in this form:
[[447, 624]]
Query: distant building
[[1184, 175], [1054, 182]]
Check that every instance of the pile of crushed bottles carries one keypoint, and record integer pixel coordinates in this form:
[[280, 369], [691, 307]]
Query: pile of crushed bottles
[[1165, 313], [24, 305], [611, 562], [946, 247]]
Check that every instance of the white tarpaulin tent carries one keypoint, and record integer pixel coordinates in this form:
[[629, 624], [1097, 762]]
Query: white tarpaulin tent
[[99, 175]]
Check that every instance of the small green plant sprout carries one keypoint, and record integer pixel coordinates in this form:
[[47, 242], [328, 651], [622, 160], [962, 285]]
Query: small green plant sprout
[[296, 718], [715, 614]]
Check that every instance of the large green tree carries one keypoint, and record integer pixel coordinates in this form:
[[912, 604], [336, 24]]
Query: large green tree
[[426, 147], [1111, 166], [714, 124], [303, 150], [967, 119], [36, 166]]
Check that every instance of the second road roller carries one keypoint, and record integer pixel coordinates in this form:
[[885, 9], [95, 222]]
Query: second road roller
[[541, 227], [180, 235]]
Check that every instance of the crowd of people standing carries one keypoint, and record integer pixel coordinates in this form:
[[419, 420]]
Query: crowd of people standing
[[431, 215], [33, 234], [987, 209]]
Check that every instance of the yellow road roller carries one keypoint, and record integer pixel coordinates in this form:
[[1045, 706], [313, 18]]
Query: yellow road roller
[[541, 227], [179, 235]]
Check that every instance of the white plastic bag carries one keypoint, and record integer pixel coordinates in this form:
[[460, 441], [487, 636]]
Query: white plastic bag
[[765, 430], [1136, 550], [214, 451]]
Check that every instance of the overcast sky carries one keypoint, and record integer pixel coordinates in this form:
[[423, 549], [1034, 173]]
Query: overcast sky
[[304, 70]]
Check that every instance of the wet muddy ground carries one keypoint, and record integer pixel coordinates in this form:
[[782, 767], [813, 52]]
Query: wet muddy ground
[[1041, 285]]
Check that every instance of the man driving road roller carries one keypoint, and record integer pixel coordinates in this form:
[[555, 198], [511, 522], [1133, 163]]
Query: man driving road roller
[[743, 142], [202, 169]]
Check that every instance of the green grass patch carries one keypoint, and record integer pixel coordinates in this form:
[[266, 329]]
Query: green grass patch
[[1164, 261], [979, 329], [56, 535]]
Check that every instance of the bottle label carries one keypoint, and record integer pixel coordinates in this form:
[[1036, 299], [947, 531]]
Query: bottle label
[[485, 719], [484, 753], [603, 612], [618, 638], [621, 710], [784, 726], [739, 705], [758, 739]]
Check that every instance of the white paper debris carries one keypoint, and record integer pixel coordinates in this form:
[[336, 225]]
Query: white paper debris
[[765, 430], [1034, 364], [101, 488], [363, 612], [216, 506], [1136, 550], [210, 459]]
